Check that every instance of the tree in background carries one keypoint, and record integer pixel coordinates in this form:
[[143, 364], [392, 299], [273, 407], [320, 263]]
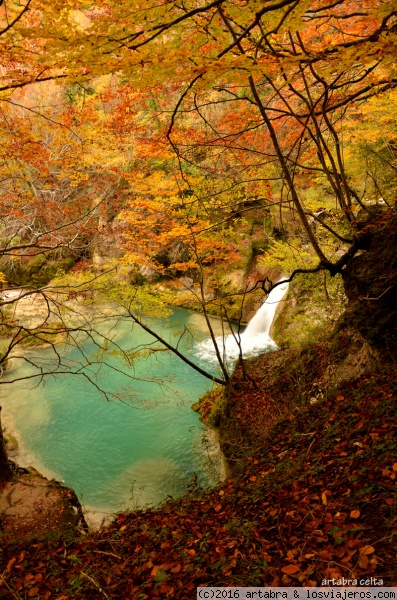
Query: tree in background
[[257, 93]]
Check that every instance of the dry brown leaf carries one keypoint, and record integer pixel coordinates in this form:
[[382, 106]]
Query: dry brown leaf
[[363, 561], [10, 564]]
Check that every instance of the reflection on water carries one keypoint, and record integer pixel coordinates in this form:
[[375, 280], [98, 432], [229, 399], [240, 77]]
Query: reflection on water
[[143, 482], [117, 454]]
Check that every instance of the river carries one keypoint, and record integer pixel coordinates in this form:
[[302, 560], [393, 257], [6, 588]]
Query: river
[[120, 431], [125, 453]]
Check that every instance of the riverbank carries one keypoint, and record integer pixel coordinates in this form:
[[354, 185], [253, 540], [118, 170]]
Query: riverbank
[[33, 507]]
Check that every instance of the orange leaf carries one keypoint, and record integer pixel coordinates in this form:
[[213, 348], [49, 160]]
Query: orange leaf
[[394, 467], [355, 514], [176, 569], [218, 508], [324, 498], [366, 550], [191, 552], [10, 564], [290, 569], [33, 592], [363, 561]]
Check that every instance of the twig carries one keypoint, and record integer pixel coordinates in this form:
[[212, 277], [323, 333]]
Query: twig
[[378, 297], [17, 596], [108, 554], [95, 584]]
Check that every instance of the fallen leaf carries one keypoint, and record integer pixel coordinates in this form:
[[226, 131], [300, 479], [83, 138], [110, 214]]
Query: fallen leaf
[[191, 552], [290, 569], [33, 592], [176, 569], [366, 550], [355, 514], [10, 564], [218, 508], [324, 498], [363, 561]]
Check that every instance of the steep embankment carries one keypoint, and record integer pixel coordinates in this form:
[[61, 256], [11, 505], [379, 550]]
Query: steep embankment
[[315, 501], [313, 436]]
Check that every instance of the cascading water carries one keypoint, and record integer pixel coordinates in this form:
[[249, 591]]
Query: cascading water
[[256, 337]]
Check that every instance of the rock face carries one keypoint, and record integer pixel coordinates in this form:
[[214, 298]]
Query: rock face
[[370, 281]]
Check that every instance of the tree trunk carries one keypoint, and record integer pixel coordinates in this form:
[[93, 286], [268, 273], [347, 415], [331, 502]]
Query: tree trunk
[[5, 470]]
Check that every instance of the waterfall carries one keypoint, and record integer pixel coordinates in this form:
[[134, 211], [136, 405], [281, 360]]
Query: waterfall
[[256, 337]]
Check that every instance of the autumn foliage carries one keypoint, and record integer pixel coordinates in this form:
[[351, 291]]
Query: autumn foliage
[[197, 138]]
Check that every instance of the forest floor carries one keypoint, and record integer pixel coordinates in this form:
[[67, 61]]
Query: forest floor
[[312, 498]]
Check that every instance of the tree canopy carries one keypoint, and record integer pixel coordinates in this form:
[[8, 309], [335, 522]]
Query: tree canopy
[[201, 128]]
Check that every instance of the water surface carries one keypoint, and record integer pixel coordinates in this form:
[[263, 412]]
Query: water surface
[[132, 451]]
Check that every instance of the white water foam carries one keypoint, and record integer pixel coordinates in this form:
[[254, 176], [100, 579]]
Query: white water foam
[[254, 340]]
